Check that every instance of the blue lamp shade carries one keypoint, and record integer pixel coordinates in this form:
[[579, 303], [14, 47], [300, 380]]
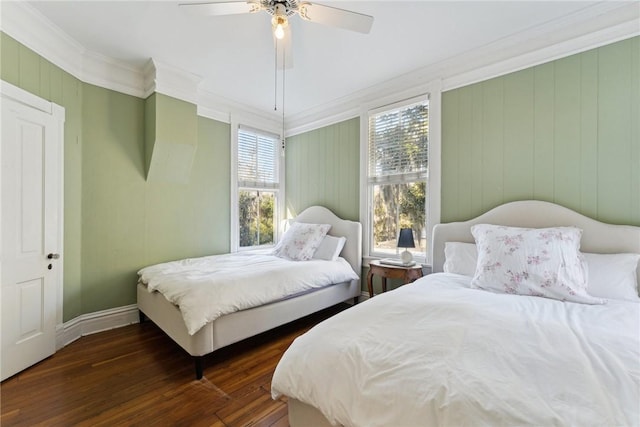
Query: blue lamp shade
[[405, 238]]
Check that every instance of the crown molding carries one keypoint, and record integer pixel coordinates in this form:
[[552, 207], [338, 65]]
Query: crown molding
[[171, 81], [26, 24], [603, 23], [593, 27], [108, 73], [219, 108]]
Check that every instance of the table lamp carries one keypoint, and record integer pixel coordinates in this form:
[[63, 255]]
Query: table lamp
[[405, 240]]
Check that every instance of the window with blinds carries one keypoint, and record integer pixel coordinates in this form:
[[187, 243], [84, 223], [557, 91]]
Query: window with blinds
[[257, 159], [398, 144], [397, 169], [258, 187]]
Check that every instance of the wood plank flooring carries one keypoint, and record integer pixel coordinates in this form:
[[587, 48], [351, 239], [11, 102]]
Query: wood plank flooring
[[137, 376]]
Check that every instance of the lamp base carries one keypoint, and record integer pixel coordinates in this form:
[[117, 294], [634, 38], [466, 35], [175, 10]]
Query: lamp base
[[406, 257]]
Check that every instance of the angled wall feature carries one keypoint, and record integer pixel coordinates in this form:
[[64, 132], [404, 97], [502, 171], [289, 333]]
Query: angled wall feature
[[171, 138], [171, 123]]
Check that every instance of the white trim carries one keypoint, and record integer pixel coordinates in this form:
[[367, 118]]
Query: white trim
[[57, 112], [171, 81], [26, 24], [365, 208], [213, 114], [323, 122], [399, 105], [21, 96], [434, 179], [595, 26], [91, 323], [432, 93], [234, 238], [269, 130], [550, 53], [105, 72], [224, 108]]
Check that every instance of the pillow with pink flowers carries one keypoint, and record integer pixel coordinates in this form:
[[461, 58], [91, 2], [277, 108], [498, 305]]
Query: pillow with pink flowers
[[543, 262], [300, 241]]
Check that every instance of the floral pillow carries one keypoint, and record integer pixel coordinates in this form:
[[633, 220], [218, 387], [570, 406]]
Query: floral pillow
[[301, 240], [544, 262]]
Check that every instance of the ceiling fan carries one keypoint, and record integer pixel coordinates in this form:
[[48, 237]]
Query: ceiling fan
[[281, 10]]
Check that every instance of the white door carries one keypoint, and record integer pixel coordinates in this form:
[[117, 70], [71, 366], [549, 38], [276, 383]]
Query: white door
[[30, 232]]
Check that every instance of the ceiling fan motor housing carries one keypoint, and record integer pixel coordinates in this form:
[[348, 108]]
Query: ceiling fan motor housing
[[279, 7]]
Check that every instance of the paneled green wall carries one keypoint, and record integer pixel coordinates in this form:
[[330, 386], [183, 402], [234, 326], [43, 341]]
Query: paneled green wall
[[567, 131], [129, 222], [115, 221], [323, 169]]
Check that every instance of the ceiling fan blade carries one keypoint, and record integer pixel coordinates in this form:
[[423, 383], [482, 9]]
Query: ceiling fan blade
[[335, 17], [284, 49], [221, 8]]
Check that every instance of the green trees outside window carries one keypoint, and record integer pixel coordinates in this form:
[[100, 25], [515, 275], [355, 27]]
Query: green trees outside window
[[256, 214]]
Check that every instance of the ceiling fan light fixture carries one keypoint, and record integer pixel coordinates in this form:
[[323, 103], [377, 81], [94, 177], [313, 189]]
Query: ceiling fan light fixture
[[279, 23]]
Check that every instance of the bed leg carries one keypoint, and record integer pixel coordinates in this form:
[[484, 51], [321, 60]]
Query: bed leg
[[198, 363], [143, 317], [355, 300]]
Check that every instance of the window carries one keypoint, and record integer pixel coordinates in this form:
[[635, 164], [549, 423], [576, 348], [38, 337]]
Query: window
[[257, 192], [397, 172]]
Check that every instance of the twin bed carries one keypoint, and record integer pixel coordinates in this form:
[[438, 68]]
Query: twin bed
[[286, 298], [464, 346]]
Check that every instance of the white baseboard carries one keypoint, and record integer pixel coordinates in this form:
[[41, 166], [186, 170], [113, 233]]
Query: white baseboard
[[91, 323]]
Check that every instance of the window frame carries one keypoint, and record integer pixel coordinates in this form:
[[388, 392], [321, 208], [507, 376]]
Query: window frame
[[431, 93], [265, 129]]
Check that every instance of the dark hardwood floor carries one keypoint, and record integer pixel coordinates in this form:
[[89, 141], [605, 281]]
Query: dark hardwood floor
[[137, 376]]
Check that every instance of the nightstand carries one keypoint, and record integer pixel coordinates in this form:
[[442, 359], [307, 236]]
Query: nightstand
[[407, 274]]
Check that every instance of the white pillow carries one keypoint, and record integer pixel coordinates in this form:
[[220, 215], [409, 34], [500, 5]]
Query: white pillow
[[330, 248], [300, 241], [460, 258], [544, 262], [613, 276]]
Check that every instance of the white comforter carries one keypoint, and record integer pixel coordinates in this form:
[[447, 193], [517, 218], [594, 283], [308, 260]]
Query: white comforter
[[436, 353], [209, 287]]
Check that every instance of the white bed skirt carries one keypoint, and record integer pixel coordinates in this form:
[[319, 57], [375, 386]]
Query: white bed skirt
[[243, 324]]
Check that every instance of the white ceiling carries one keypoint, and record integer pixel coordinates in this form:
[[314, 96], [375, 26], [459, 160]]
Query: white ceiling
[[234, 55]]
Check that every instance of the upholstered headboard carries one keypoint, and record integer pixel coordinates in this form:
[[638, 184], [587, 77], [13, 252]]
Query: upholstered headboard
[[352, 230], [597, 237]]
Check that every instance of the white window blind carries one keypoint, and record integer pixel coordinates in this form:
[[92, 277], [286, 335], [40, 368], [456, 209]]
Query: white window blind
[[398, 144], [257, 159]]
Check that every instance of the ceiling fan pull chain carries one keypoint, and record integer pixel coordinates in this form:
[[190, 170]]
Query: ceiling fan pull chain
[[283, 92], [275, 78]]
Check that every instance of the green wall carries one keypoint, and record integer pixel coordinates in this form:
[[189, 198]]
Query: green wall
[[129, 222], [567, 132], [323, 168], [115, 220], [171, 138]]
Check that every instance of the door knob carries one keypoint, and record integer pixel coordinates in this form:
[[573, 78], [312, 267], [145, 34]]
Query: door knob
[[53, 256]]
